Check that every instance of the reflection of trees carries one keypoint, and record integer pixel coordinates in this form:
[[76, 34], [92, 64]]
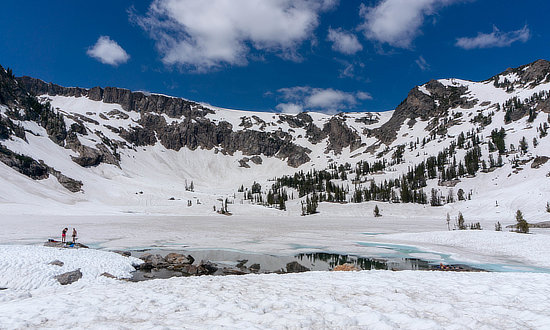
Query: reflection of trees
[[333, 260]]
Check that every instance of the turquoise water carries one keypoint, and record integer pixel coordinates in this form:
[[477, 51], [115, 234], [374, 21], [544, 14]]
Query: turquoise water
[[405, 251]]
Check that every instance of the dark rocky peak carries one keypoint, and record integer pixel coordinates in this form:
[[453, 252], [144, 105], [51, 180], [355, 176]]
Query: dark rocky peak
[[297, 121], [529, 75], [424, 106], [536, 72], [130, 101], [11, 93]]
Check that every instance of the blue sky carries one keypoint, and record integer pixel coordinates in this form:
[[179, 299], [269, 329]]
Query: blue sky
[[280, 55]]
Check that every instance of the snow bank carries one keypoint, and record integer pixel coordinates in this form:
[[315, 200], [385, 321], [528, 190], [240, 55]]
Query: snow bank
[[28, 267], [368, 299], [532, 249]]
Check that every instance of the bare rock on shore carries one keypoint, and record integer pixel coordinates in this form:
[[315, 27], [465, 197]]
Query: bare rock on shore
[[69, 277]]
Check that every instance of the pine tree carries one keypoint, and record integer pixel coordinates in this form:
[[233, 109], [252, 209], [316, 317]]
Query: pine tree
[[460, 222], [498, 226], [522, 226], [376, 211], [548, 207], [460, 194], [523, 146]]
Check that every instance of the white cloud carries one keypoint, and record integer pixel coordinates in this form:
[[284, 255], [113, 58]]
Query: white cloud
[[203, 35], [422, 64], [344, 42], [303, 98], [494, 39], [289, 108], [363, 96], [107, 51], [397, 22]]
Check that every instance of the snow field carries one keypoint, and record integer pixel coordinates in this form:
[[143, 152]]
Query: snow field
[[26, 267], [367, 299]]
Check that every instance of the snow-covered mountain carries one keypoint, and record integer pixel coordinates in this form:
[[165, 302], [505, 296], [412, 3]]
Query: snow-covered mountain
[[470, 145]]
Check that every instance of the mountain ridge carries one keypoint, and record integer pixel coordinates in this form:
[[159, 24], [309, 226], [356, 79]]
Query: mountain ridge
[[97, 131]]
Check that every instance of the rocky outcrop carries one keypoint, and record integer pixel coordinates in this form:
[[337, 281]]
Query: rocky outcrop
[[539, 161], [530, 74], [419, 105], [36, 170], [130, 101], [23, 164], [340, 136], [9, 128], [11, 93], [205, 134], [88, 156], [70, 184]]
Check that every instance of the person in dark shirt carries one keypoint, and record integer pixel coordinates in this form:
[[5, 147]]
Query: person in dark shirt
[[74, 235]]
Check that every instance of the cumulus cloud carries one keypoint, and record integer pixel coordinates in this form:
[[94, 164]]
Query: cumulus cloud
[[494, 39], [107, 51], [289, 108], [422, 64], [344, 42], [203, 35], [329, 100], [397, 22]]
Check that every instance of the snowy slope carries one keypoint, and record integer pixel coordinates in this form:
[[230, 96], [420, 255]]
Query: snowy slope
[[147, 178]]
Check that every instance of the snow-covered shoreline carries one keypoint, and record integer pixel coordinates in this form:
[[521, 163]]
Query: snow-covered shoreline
[[28, 267], [367, 299]]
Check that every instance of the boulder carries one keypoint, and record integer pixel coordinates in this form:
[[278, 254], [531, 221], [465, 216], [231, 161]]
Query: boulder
[[345, 268], [69, 277], [108, 275], [207, 268], [152, 261], [57, 263], [178, 259], [295, 267], [241, 263], [254, 268]]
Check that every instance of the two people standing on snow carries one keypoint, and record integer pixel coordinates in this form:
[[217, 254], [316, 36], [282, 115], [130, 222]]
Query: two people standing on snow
[[64, 235]]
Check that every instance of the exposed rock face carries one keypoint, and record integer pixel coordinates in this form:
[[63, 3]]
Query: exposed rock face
[[423, 106], [11, 93], [70, 184], [89, 156], [69, 277], [23, 164], [130, 101], [205, 134], [340, 136], [530, 74], [57, 263], [194, 132], [539, 161]]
